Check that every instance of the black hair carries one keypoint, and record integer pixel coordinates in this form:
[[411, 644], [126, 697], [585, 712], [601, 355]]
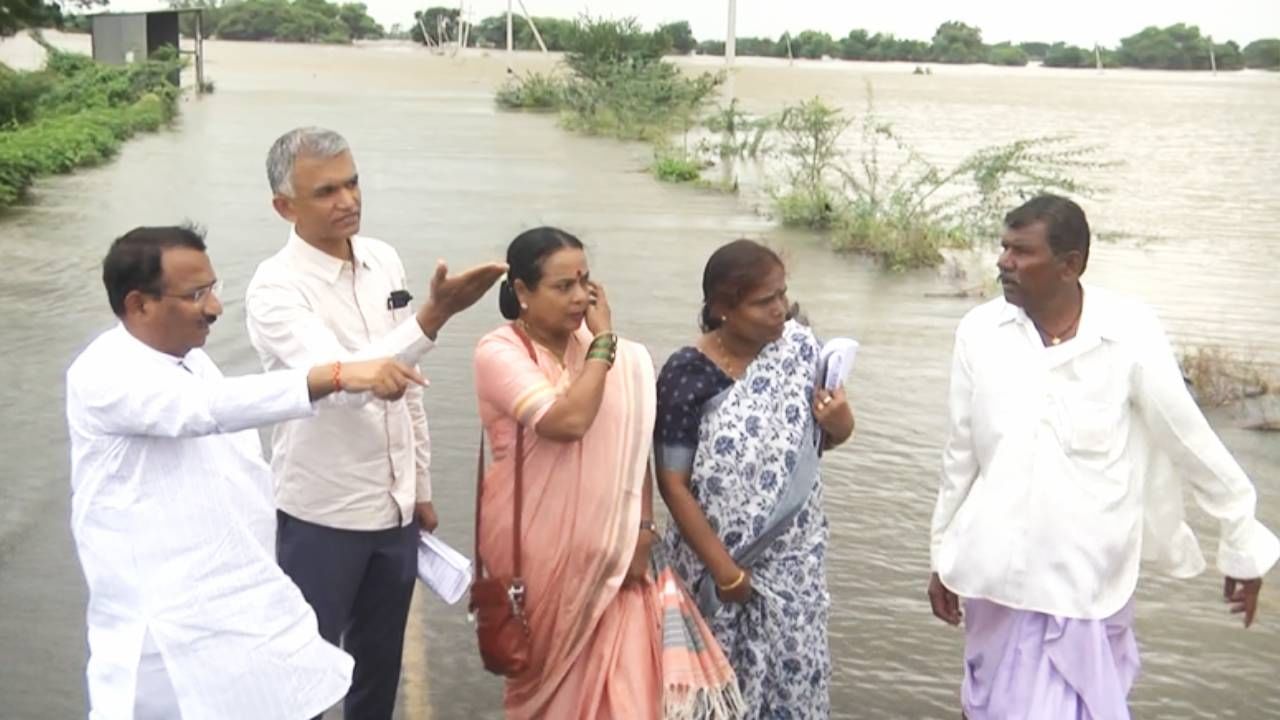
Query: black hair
[[133, 262], [732, 271], [525, 256], [1064, 222]]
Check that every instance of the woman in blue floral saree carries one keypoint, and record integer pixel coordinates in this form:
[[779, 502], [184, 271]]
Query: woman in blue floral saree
[[738, 434]]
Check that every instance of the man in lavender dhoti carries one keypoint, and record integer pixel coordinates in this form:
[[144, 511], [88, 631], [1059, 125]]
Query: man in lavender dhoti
[[1068, 414]]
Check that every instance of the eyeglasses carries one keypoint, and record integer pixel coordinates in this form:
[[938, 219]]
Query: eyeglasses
[[199, 295]]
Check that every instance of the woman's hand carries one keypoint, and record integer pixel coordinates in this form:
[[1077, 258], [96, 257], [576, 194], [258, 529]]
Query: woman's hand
[[834, 415], [599, 316], [640, 562]]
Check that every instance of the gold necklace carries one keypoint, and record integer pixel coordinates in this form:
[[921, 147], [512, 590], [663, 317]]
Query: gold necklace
[[724, 357], [1056, 339], [559, 357]]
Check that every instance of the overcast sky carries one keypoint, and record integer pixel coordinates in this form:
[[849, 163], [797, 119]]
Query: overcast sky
[[1082, 22]]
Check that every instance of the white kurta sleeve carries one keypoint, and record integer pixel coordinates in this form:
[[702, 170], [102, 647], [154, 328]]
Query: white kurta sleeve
[[959, 462], [174, 403], [283, 325], [1247, 549]]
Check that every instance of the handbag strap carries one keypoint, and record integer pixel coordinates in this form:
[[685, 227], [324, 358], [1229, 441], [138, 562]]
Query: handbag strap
[[517, 580]]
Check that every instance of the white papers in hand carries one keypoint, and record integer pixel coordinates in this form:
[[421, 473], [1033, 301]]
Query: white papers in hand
[[443, 569], [835, 362]]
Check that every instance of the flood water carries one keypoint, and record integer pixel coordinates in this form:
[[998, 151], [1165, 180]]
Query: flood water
[[446, 175]]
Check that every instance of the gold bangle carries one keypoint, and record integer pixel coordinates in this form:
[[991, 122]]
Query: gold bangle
[[742, 577]]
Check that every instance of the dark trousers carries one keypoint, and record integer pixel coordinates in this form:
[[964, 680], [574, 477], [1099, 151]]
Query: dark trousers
[[359, 583]]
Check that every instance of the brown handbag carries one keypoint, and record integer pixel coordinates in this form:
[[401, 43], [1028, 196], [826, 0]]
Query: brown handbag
[[497, 605]]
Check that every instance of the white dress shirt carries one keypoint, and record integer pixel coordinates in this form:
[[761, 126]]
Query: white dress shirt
[[1064, 465], [358, 467], [175, 528]]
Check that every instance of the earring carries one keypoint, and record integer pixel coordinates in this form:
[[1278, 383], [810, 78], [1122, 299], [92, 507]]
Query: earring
[[523, 306], [723, 318]]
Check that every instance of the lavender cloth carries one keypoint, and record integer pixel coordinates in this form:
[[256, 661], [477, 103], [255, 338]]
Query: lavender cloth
[[1023, 665]]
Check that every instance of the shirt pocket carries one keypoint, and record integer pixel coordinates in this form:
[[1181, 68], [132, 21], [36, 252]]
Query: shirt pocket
[[1094, 427]]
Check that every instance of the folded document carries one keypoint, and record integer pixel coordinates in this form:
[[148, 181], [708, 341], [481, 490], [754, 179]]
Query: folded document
[[836, 361], [443, 569]]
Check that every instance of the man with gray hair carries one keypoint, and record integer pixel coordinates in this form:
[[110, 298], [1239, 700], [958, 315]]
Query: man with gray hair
[[352, 487]]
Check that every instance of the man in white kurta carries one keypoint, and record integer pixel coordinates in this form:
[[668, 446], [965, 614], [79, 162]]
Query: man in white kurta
[[1067, 415], [173, 515]]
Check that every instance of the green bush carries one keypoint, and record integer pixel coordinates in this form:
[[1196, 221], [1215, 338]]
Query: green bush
[[627, 101], [618, 85], [533, 91], [1264, 54], [811, 134], [676, 167], [298, 21], [20, 94], [1006, 54], [598, 48], [893, 236], [906, 212], [81, 116]]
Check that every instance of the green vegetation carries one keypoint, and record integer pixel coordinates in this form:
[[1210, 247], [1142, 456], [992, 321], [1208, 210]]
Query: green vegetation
[[888, 201], [676, 166], [305, 21], [1062, 55], [75, 113], [532, 91], [892, 203], [16, 15], [1007, 54], [1263, 54], [1177, 47], [616, 85]]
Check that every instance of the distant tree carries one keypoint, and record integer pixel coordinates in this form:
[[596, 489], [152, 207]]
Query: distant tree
[[682, 40], [431, 19], [490, 32], [712, 47], [856, 45], [886, 47], [1177, 47], [813, 45], [16, 15], [1263, 54], [212, 13], [955, 42], [1228, 55], [761, 47], [1006, 54], [557, 33], [359, 25], [1035, 50]]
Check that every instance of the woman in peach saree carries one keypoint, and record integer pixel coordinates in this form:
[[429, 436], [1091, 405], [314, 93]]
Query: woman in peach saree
[[587, 519], [607, 641]]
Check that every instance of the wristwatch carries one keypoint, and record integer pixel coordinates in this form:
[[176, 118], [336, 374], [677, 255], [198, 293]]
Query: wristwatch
[[649, 525]]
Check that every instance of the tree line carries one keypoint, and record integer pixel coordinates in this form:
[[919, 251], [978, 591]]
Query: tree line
[[1176, 47]]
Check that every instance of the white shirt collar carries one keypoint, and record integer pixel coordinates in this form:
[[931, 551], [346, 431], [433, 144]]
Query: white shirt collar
[[319, 262], [140, 346], [1095, 320]]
